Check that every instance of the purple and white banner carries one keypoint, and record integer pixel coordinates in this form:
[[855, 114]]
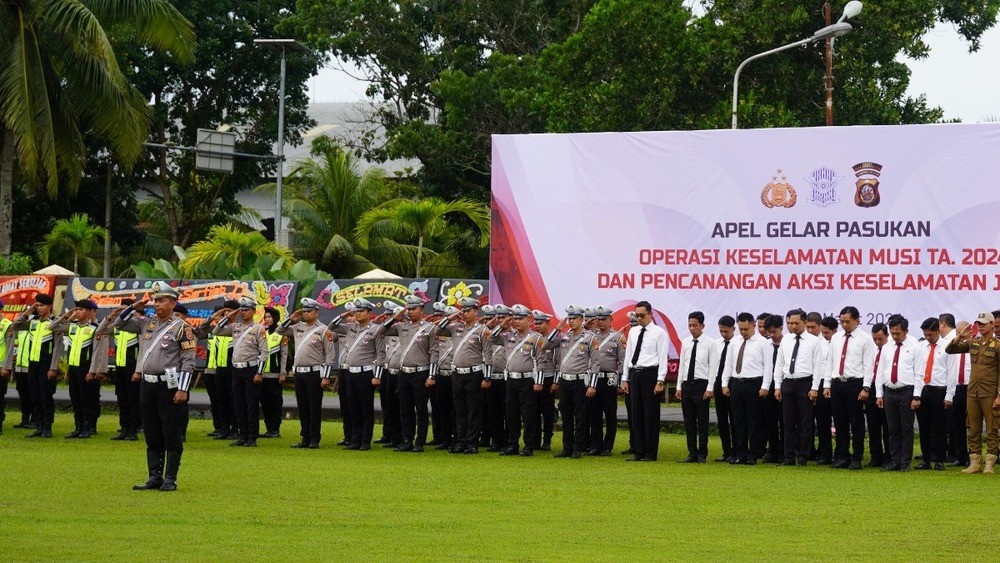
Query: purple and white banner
[[890, 219]]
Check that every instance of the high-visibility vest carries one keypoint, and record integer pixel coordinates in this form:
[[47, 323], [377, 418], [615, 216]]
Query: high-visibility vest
[[210, 346], [80, 340], [222, 351], [23, 351], [40, 335], [126, 346], [4, 325], [273, 350]]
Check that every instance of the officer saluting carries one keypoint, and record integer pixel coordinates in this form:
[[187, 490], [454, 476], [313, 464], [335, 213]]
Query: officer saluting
[[360, 350], [468, 350], [314, 360], [78, 327], [250, 352], [521, 348], [419, 358], [166, 362], [43, 361]]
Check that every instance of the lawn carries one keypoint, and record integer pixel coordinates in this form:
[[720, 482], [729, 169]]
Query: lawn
[[71, 500]]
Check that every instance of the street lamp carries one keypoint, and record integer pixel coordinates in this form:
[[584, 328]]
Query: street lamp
[[852, 9], [828, 32], [280, 45]]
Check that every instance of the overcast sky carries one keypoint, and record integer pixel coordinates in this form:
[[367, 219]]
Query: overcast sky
[[951, 77]]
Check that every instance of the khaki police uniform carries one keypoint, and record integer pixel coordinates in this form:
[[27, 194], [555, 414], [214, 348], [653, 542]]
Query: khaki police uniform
[[418, 363], [358, 355], [603, 409], [315, 356], [250, 353], [984, 388], [521, 351]]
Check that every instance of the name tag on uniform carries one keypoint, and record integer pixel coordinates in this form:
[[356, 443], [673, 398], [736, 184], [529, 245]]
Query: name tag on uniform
[[173, 381]]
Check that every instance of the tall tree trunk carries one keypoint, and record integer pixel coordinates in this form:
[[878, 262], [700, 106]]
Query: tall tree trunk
[[6, 193], [420, 252]]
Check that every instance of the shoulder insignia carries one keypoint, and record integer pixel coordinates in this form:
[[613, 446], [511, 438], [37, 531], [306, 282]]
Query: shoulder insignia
[[284, 340], [188, 344], [189, 334], [263, 332], [329, 336]]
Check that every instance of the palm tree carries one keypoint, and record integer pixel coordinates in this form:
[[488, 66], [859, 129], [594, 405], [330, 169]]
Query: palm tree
[[59, 77], [228, 249], [424, 220], [77, 237]]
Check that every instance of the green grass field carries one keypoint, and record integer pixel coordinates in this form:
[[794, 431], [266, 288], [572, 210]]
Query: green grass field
[[71, 500]]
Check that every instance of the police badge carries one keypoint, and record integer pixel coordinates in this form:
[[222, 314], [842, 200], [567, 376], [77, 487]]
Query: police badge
[[824, 182], [778, 194], [867, 194]]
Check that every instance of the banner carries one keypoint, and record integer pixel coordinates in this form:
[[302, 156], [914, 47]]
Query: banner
[[384, 294], [453, 289], [18, 292], [889, 219]]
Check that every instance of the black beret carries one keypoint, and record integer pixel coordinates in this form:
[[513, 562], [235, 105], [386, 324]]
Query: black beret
[[181, 309], [231, 304], [43, 299], [85, 304]]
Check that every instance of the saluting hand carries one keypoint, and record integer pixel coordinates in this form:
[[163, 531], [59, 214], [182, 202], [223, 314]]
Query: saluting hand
[[140, 304]]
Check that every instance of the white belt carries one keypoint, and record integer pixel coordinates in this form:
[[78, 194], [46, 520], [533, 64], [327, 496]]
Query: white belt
[[444, 372], [602, 374], [392, 371], [154, 378], [497, 377], [359, 369], [548, 374], [250, 364], [307, 369], [415, 369], [574, 376], [473, 369], [520, 375]]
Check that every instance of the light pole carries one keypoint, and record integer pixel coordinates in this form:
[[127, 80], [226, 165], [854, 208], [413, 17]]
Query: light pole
[[281, 45], [828, 32], [852, 9]]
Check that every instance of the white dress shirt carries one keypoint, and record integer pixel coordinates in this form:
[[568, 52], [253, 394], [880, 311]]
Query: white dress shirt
[[940, 367], [756, 360], [716, 365], [956, 362], [808, 361], [654, 351], [908, 369], [859, 362], [702, 364]]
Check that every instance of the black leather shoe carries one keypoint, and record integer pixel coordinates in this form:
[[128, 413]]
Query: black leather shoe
[[343, 442], [22, 425], [889, 467], [300, 445], [443, 446], [36, 434], [352, 447], [119, 436], [923, 465], [576, 455], [562, 454], [153, 483], [214, 433], [546, 446], [238, 443], [389, 445], [788, 463], [734, 460], [250, 444], [168, 485], [823, 461], [472, 450], [803, 462], [855, 465], [457, 449], [271, 434], [594, 451], [939, 466], [221, 436], [382, 440], [494, 449], [404, 447], [72, 435], [313, 445], [508, 451], [690, 459], [417, 449], [842, 464], [628, 451], [605, 453], [635, 458], [723, 459], [46, 433], [131, 437], [960, 463], [527, 453], [749, 461], [364, 448]]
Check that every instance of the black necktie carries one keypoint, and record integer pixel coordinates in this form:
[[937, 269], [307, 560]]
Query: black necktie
[[694, 356], [638, 347], [795, 354], [722, 359], [774, 355]]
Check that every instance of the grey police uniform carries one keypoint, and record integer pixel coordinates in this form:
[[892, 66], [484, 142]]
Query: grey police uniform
[[358, 358], [315, 357], [250, 354], [521, 352], [576, 363], [603, 408], [418, 362], [468, 350]]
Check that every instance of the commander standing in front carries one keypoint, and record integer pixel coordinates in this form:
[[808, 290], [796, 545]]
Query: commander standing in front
[[644, 379]]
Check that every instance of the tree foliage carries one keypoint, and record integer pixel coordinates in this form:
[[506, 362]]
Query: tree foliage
[[73, 242]]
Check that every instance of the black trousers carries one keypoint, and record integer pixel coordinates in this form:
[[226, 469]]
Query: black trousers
[[824, 421], [878, 438], [933, 420], [361, 398], [645, 411], [522, 406], [343, 395], [496, 411], [694, 407], [573, 410], [23, 388], [443, 409], [773, 443], [162, 419], [797, 412], [631, 423], [271, 403], [309, 400], [957, 425], [246, 401], [42, 390], [469, 400], [84, 396], [602, 415], [413, 407], [389, 401], [899, 424], [127, 394], [848, 419], [224, 394], [747, 415], [724, 414]]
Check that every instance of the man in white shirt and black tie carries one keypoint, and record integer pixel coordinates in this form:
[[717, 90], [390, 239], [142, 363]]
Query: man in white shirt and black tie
[[694, 391], [958, 376], [800, 358], [851, 359], [749, 371], [723, 407], [898, 386], [643, 379], [937, 395]]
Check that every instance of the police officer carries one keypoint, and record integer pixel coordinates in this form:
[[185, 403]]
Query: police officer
[[418, 367], [389, 362], [126, 390], [78, 327], [271, 396], [15, 366], [576, 362], [362, 338], [224, 380], [495, 422], [468, 350], [204, 332], [250, 353], [315, 359], [521, 348], [6, 361], [43, 361], [165, 365], [983, 395], [547, 397], [442, 403], [603, 387]]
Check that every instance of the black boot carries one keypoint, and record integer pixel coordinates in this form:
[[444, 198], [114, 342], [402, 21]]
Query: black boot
[[154, 460], [75, 433], [170, 473], [47, 432]]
